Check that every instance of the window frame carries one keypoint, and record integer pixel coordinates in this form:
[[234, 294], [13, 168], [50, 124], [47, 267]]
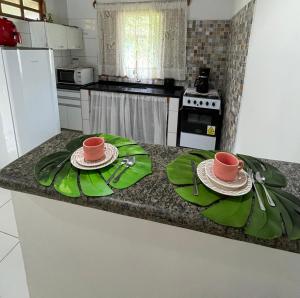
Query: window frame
[[22, 7]]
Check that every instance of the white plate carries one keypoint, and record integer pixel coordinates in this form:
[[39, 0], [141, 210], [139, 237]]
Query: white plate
[[224, 191], [240, 182], [109, 153], [81, 167]]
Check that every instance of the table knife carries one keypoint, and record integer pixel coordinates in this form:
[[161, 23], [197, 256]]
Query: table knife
[[195, 176]]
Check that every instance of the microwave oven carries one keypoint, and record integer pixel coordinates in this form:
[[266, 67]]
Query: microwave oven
[[77, 76]]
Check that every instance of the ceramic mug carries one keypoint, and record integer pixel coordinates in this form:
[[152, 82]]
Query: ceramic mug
[[93, 149], [227, 166]]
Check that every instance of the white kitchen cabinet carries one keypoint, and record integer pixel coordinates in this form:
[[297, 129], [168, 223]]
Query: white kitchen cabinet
[[38, 34], [75, 38], [74, 118], [55, 36], [70, 109], [70, 117], [63, 116], [173, 121]]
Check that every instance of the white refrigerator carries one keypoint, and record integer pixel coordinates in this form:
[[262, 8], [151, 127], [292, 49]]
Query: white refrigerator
[[28, 101]]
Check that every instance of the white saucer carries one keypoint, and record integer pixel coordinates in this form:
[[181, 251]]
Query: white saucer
[[96, 167], [109, 153], [240, 182], [219, 189]]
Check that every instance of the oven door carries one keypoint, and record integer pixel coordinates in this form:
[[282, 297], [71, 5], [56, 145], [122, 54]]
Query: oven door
[[200, 121], [65, 76]]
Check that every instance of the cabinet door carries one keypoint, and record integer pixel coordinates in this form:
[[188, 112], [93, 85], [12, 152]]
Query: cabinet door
[[74, 118], [56, 36], [38, 34], [63, 115], [75, 38]]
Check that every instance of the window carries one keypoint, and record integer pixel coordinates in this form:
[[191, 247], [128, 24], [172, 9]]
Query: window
[[22, 9], [143, 41], [140, 39]]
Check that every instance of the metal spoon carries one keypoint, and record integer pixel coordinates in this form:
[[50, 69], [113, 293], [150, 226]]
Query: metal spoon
[[129, 164], [261, 180], [260, 200]]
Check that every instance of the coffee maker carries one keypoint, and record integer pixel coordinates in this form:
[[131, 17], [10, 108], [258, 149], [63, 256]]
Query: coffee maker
[[202, 83]]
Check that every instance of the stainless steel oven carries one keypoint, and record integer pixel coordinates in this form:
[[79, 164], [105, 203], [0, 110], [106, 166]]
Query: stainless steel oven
[[200, 120]]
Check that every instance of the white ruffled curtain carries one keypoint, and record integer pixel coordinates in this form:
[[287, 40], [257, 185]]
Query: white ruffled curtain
[[139, 117], [144, 40]]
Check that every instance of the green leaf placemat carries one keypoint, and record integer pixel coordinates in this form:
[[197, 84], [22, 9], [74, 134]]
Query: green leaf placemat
[[241, 212], [57, 169]]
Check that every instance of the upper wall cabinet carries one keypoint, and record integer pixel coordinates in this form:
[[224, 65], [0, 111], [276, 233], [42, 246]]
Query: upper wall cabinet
[[75, 38], [55, 36]]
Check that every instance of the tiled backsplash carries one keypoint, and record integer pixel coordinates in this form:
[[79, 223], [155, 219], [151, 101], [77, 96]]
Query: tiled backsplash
[[88, 56], [207, 43], [62, 58], [235, 72]]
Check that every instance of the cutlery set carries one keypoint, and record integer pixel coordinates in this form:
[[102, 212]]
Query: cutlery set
[[258, 178], [128, 162]]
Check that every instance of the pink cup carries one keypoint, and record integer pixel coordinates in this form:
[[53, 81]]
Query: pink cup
[[93, 149], [227, 166]]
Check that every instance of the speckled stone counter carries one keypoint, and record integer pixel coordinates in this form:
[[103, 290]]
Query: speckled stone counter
[[153, 198]]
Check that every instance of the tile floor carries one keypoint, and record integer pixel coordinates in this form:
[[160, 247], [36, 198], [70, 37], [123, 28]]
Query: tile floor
[[13, 282]]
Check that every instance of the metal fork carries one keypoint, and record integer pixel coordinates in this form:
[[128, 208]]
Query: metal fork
[[123, 162], [260, 200]]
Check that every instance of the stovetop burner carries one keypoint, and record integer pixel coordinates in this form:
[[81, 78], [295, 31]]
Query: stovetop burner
[[191, 92]]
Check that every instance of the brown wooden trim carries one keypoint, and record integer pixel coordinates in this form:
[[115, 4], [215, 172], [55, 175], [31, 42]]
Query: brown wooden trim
[[95, 3], [22, 8]]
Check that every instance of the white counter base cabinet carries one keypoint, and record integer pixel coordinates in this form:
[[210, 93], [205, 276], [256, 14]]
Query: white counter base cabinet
[[70, 109], [173, 112], [72, 251], [55, 36], [173, 121]]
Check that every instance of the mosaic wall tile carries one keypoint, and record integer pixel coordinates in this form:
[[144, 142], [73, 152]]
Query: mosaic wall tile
[[207, 43], [235, 72]]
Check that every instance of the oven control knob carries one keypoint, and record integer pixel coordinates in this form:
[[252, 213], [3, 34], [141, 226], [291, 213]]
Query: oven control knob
[[207, 103], [213, 104], [195, 102], [201, 103], [189, 101]]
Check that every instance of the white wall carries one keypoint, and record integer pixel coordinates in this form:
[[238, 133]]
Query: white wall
[[238, 5], [58, 9], [211, 9], [199, 9], [269, 118]]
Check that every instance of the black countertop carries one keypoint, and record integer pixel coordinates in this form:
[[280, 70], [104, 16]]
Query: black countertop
[[72, 87], [152, 199], [134, 88]]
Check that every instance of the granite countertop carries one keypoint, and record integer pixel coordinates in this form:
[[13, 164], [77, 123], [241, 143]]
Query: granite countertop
[[153, 198], [72, 87], [132, 88]]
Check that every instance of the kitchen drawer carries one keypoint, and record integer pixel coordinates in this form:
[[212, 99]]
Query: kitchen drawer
[[174, 104], [173, 122], [66, 101], [68, 94]]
